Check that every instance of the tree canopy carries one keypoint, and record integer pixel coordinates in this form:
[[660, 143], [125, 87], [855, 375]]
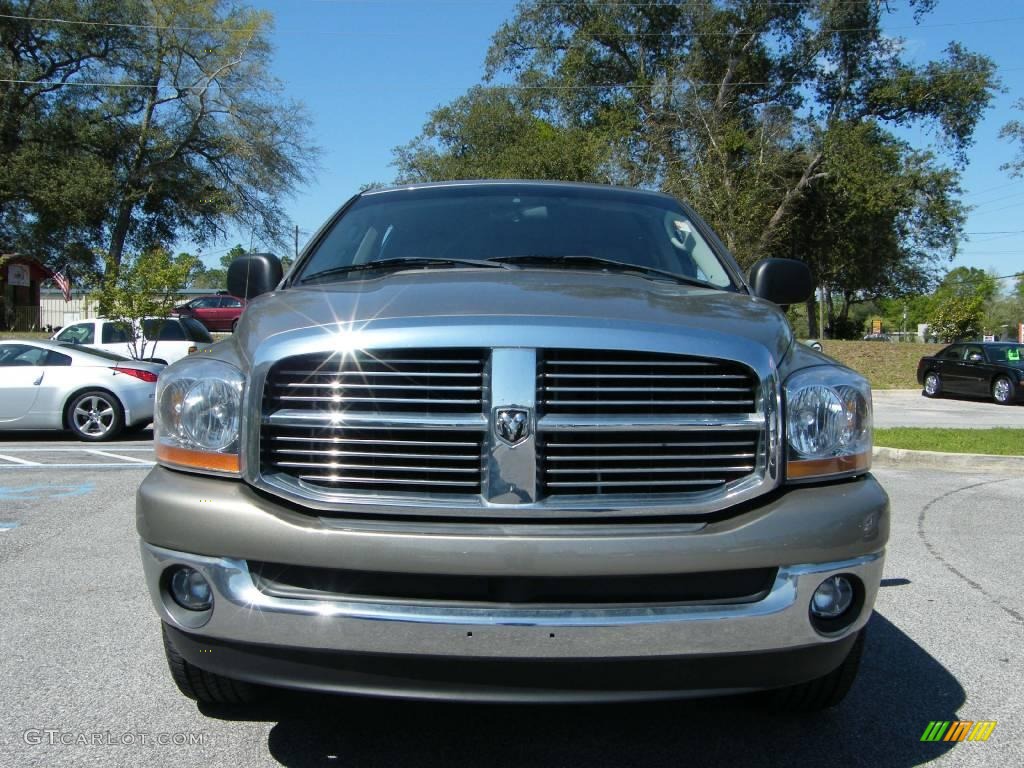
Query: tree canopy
[[153, 120], [778, 121]]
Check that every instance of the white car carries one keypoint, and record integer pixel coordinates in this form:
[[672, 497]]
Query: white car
[[163, 340], [95, 394]]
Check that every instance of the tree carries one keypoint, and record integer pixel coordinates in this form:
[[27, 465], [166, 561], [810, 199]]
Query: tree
[[747, 109], [54, 189], [210, 139], [876, 225], [146, 286], [1014, 131], [969, 282], [956, 317], [191, 134], [495, 133]]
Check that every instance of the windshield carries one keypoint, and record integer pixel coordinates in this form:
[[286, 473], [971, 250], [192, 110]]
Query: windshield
[[480, 223], [1010, 354]]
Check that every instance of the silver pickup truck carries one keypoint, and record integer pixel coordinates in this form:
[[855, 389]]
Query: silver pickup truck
[[514, 441]]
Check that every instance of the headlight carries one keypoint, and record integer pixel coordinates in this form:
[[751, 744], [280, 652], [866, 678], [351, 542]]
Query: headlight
[[198, 416], [828, 423]]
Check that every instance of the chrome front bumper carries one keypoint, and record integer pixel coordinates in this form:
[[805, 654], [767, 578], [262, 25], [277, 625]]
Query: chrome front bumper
[[241, 613]]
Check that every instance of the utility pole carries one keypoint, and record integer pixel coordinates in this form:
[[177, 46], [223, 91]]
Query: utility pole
[[296, 241], [821, 314]]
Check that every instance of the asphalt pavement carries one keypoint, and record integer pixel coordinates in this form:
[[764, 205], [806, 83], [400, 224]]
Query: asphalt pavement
[[909, 408], [84, 682]]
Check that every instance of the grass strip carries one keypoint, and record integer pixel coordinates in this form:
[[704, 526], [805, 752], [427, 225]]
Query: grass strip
[[1000, 441]]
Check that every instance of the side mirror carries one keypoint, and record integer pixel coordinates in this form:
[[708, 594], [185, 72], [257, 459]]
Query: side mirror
[[254, 274], [783, 281], [975, 357]]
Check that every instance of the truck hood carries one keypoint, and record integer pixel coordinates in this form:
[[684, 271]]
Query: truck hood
[[520, 298]]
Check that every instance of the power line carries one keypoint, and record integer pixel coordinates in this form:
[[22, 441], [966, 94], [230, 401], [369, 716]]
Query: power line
[[422, 86], [363, 33]]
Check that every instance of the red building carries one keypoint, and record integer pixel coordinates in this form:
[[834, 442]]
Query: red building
[[20, 278]]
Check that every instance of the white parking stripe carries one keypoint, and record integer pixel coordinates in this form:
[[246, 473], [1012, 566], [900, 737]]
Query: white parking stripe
[[107, 465], [116, 456], [16, 460], [124, 449]]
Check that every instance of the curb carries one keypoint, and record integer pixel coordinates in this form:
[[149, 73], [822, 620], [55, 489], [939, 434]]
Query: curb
[[966, 462]]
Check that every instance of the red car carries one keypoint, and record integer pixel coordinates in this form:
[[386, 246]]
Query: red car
[[217, 313]]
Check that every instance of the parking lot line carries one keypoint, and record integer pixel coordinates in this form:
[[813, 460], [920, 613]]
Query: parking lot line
[[116, 456], [107, 465], [20, 462]]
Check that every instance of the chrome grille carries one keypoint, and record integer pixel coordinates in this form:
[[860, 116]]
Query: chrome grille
[[634, 462], [376, 459], [613, 382], [380, 381], [410, 432]]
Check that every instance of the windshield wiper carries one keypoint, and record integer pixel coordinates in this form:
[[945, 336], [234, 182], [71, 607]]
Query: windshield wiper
[[395, 264], [623, 267]]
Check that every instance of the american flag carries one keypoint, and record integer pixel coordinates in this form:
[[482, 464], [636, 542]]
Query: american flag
[[63, 283]]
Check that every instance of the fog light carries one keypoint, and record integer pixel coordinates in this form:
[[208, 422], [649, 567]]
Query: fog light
[[190, 589], [832, 598]]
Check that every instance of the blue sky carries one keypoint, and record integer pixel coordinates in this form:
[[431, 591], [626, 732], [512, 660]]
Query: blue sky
[[370, 71]]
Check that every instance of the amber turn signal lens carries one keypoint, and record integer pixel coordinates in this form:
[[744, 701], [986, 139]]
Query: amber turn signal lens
[[183, 457], [833, 465]]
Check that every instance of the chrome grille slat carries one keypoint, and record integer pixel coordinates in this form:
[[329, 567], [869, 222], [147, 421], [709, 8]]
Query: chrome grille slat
[[345, 385], [610, 404], [370, 441], [648, 389], [432, 374], [387, 454], [650, 470], [388, 468], [671, 376], [733, 443], [709, 457], [346, 480], [391, 400], [629, 484]]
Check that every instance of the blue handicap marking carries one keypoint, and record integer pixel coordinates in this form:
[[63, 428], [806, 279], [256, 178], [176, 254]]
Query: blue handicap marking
[[46, 491], [7, 526]]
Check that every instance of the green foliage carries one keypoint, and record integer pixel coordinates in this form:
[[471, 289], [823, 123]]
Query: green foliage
[[236, 251], [779, 122], [214, 279], [1014, 131], [146, 286], [123, 169], [493, 133], [956, 317], [1000, 441], [968, 282]]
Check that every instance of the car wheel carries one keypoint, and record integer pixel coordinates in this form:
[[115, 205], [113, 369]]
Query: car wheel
[[932, 384], [205, 687], [96, 415], [234, 325], [1002, 390], [823, 692]]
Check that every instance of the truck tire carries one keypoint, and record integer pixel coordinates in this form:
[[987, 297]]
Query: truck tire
[[823, 692], [205, 687]]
